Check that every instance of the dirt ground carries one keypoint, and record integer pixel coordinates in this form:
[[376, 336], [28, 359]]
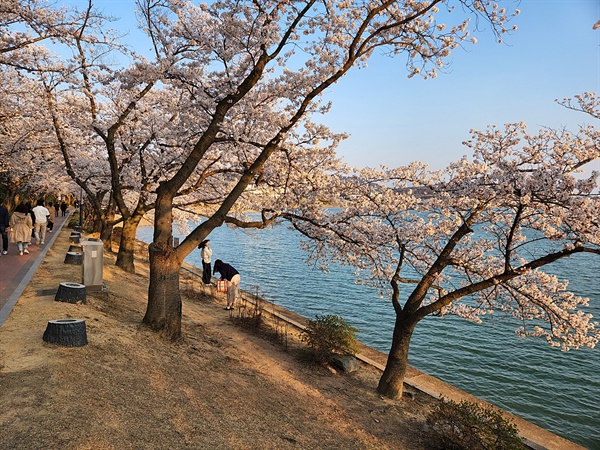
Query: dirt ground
[[222, 386]]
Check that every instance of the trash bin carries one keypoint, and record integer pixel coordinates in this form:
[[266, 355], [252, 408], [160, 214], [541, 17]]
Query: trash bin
[[93, 252]]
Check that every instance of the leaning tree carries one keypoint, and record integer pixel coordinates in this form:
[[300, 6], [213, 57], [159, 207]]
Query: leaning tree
[[253, 73], [473, 239]]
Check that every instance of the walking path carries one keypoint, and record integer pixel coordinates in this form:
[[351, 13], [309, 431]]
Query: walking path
[[17, 270]]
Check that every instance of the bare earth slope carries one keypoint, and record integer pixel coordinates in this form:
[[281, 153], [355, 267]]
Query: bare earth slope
[[220, 387]]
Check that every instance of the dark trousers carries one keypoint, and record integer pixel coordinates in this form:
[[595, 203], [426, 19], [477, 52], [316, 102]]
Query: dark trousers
[[206, 274], [4, 239]]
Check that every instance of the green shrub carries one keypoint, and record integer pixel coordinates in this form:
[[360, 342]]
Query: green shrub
[[73, 220], [328, 335], [466, 425]]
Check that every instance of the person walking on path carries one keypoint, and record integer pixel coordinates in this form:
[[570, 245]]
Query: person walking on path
[[32, 214], [228, 273], [21, 226], [63, 208], [56, 208], [50, 225], [205, 254], [4, 226], [41, 221]]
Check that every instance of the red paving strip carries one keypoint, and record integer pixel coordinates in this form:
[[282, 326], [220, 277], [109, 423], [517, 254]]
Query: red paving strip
[[17, 270]]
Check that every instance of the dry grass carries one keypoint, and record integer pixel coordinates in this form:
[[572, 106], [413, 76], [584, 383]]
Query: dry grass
[[221, 387]]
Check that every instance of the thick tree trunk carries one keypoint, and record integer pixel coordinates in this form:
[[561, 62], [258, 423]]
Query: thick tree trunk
[[106, 233], [163, 312], [95, 222], [125, 256], [391, 383]]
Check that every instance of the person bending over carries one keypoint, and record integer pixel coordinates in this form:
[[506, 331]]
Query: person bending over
[[228, 273]]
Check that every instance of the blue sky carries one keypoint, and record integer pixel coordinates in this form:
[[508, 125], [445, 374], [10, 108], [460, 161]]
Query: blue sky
[[394, 120]]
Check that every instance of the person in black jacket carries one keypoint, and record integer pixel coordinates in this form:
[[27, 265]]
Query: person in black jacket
[[232, 276], [4, 226]]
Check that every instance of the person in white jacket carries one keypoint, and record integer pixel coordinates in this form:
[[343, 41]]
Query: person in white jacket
[[41, 221], [206, 254]]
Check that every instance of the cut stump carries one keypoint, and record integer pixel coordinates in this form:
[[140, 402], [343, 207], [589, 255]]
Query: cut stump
[[75, 258], [66, 332], [75, 248], [71, 293]]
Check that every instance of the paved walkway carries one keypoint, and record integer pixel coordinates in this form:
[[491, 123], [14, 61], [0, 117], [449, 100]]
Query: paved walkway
[[17, 270]]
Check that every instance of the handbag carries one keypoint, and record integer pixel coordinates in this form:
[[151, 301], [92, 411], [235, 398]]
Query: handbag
[[221, 285]]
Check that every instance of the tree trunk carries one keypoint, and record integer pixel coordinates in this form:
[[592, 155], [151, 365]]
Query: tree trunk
[[163, 312], [94, 221], [106, 233], [391, 383], [125, 256]]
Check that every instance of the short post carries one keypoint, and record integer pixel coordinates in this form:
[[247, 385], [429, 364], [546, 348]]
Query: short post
[[71, 293], [67, 332], [75, 258]]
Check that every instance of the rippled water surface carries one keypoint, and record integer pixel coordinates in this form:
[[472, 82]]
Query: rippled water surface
[[559, 391]]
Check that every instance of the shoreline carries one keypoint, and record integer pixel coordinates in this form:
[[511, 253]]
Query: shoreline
[[534, 436]]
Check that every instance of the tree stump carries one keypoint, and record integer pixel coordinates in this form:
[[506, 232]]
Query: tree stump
[[75, 238], [71, 293], [75, 258], [75, 248], [67, 332]]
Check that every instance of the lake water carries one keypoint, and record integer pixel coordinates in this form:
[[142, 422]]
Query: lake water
[[559, 391]]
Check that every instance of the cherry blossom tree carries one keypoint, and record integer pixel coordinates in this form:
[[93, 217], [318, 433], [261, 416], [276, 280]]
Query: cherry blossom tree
[[220, 119], [25, 23], [472, 239], [29, 154], [96, 121], [253, 74], [33, 35]]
